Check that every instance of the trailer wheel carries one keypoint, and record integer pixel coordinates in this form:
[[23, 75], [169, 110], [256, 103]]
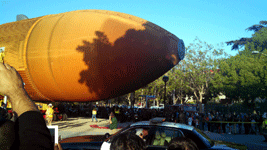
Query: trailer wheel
[[65, 117]]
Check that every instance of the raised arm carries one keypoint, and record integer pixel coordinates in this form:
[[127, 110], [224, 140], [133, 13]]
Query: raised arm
[[11, 85], [30, 128]]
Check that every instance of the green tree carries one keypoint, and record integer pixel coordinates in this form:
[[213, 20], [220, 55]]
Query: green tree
[[178, 83], [258, 43], [242, 41], [157, 88], [241, 77], [226, 81], [201, 65]]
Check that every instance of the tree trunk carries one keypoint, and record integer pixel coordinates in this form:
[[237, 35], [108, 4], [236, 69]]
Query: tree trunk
[[201, 92], [158, 100], [129, 99]]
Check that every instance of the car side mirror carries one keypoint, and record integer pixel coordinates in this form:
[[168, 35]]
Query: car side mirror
[[107, 135]]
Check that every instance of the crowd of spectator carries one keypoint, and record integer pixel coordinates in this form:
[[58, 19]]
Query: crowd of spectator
[[230, 123]]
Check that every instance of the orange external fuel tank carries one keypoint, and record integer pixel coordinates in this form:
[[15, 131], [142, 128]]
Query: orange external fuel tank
[[88, 55]]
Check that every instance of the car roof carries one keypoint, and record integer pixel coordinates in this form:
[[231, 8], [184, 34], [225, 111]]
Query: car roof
[[164, 124]]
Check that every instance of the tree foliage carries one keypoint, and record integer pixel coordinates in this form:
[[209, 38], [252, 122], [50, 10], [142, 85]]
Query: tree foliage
[[241, 77], [178, 86], [201, 65], [242, 41], [258, 42]]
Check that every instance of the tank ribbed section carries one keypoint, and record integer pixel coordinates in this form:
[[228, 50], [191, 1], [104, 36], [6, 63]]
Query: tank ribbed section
[[12, 37], [32, 91]]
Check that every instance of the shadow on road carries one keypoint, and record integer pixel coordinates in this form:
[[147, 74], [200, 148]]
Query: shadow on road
[[71, 119]]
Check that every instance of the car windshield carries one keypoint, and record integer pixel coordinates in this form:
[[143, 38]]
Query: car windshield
[[154, 133], [204, 137]]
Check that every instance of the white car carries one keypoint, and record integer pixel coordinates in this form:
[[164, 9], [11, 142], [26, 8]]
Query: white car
[[157, 129]]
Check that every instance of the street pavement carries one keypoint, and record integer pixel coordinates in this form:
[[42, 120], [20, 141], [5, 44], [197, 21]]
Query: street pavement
[[81, 126], [253, 142]]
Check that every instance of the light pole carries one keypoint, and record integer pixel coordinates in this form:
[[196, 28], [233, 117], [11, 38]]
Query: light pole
[[165, 79]]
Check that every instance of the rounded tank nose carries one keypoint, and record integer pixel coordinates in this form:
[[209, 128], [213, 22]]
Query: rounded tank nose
[[176, 49], [181, 49]]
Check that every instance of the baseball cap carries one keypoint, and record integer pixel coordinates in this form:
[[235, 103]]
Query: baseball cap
[[50, 104]]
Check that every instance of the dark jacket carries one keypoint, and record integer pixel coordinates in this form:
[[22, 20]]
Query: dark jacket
[[32, 133]]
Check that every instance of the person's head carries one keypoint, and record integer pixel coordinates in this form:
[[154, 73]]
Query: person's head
[[182, 143], [127, 141], [50, 105], [141, 132], [112, 114]]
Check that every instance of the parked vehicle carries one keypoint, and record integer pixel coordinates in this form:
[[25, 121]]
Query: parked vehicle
[[170, 130], [184, 107]]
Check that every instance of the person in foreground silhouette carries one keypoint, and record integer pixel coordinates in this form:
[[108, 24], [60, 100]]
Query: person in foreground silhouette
[[182, 143], [127, 141], [30, 130]]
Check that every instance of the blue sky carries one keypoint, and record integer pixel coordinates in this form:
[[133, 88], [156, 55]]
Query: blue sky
[[212, 21]]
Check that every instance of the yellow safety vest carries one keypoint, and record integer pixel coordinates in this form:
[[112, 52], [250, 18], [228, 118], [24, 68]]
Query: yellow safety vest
[[117, 111], [94, 112], [49, 112], [2, 55]]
